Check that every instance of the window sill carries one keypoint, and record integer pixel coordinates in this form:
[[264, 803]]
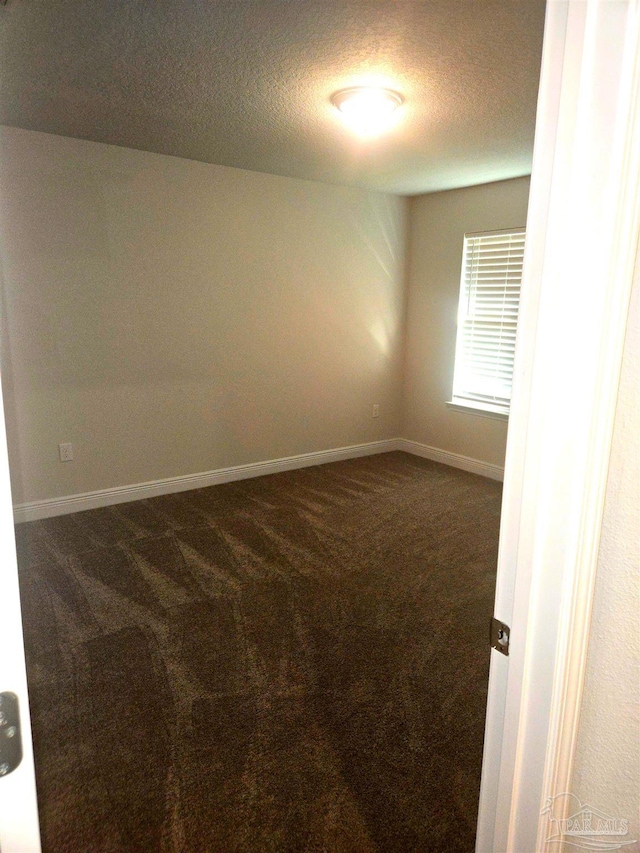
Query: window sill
[[479, 411]]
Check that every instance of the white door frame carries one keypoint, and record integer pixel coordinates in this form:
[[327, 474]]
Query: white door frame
[[582, 238], [19, 829]]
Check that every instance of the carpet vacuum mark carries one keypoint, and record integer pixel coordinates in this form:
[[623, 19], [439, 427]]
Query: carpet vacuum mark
[[297, 662]]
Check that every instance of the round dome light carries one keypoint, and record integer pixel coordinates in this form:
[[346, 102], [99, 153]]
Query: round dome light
[[367, 110]]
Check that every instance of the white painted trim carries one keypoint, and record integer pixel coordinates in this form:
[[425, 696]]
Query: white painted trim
[[455, 460], [584, 189], [617, 270], [34, 510], [19, 827], [477, 411]]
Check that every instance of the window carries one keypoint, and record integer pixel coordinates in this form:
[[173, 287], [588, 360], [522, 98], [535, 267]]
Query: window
[[487, 320]]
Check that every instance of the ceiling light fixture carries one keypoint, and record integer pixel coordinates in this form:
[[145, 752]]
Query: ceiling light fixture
[[367, 110]]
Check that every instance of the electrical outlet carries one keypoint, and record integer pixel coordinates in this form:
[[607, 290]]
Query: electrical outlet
[[376, 410], [66, 452]]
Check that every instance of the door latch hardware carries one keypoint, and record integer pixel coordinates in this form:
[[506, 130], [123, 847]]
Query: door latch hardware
[[10, 738], [499, 634]]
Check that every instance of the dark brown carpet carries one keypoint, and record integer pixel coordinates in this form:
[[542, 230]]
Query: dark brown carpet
[[293, 663]]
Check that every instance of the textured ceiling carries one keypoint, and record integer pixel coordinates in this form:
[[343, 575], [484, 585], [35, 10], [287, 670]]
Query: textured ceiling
[[246, 83]]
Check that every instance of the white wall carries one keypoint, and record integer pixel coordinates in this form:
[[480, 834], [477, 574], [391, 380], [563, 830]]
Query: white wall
[[438, 223], [607, 767], [170, 317]]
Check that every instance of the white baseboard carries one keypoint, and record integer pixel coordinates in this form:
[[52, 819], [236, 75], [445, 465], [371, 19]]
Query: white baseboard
[[34, 510], [455, 460]]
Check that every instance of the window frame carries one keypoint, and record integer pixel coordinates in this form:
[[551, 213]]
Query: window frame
[[459, 401]]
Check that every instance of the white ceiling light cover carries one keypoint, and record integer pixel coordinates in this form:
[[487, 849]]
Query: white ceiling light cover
[[368, 110]]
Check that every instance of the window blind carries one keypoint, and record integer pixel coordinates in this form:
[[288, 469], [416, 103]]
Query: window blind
[[487, 319]]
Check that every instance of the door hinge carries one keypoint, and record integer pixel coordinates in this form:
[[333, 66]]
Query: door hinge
[[499, 634], [10, 738]]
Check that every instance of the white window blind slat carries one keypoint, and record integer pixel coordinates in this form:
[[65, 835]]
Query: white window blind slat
[[487, 318]]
